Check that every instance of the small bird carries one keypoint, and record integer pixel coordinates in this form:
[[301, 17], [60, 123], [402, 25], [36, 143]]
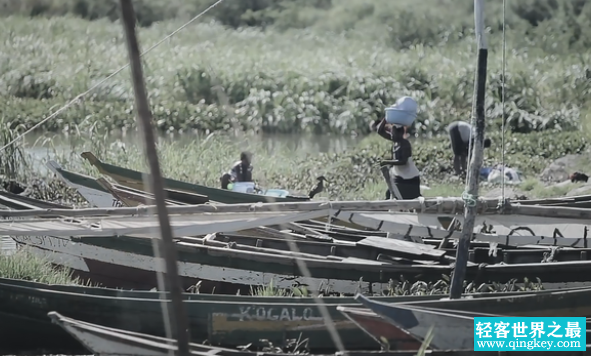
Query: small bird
[[579, 177], [319, 187]]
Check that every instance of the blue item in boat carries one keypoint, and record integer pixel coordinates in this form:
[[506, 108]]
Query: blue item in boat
[[484, 172]]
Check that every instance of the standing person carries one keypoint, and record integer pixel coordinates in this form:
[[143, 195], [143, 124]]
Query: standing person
[[460, 134], [241, 171], [405, 176]]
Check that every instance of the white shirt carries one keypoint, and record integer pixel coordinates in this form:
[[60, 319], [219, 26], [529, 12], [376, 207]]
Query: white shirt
[[465, 130]]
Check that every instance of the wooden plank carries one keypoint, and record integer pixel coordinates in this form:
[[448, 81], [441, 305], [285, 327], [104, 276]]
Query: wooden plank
[[396, 247], [194, 225], [449, 205]]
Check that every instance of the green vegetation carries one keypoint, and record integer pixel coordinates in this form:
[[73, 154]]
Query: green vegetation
[[28, 266], [299, 66]]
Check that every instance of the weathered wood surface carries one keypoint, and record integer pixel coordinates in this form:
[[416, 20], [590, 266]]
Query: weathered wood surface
[[187, 225], [426, 206]]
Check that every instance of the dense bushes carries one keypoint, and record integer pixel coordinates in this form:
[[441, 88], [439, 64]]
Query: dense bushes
[[339, 70], [211, 78]]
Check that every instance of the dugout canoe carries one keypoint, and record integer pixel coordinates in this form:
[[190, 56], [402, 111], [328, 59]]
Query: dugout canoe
[[133, 179], [224, 320], [111, 341], [98, 195], [128, 262], [555, 303]]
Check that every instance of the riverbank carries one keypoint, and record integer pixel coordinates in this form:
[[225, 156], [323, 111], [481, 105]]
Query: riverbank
[[353, 170]]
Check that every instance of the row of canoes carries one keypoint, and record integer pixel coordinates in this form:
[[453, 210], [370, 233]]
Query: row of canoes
[[348, 258]]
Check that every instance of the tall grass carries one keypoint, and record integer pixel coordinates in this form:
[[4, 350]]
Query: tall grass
[[25, 265]]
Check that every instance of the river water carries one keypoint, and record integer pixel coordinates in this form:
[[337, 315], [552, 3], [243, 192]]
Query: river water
[[41, 146]]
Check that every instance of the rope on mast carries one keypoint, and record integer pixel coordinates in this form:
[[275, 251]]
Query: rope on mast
[[503, 61]]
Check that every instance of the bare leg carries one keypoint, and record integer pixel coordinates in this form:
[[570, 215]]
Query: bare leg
[[464, 164], [457, 165]]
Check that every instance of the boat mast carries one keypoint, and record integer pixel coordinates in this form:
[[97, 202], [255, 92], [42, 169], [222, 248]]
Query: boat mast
[[470, 197], [178, 317]]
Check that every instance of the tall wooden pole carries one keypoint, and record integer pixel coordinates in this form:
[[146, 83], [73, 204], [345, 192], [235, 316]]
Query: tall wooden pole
[[178, 317], [476, 156]]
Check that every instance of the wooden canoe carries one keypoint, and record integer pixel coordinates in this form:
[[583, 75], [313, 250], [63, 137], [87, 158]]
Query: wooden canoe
[[226, 320], [133, 179], [557, 303], [104, 341], [451, 330], [354, 242], [128, 262], [98, 195], [111, 341]]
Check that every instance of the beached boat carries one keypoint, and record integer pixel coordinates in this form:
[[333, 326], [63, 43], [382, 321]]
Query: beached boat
[[450, 330], [506, 228], [127, 261], [97, 195], [133, 179], [104, 341], [111, 341], [227, 320], [564, 303]]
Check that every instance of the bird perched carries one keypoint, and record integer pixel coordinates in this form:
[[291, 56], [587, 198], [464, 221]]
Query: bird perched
[[579, 177], [319, 187]]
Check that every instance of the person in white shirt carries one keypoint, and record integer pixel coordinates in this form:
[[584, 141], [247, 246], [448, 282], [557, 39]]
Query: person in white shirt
[[460, 134]]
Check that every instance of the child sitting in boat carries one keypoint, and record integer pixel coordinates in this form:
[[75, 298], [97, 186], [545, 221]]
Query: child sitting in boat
[[241, 171]]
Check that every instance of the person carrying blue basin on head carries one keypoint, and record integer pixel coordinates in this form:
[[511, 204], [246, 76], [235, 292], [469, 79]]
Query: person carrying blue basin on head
[[401, 174]]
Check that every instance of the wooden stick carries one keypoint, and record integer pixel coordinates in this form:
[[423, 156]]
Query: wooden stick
[[476, 159], [442, 206], [428, 206], [178, 318]]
